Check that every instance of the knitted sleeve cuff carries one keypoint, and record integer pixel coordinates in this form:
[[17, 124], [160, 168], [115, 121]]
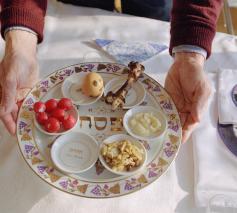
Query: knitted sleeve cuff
[[15, 16], [192, 35], [189, 48]]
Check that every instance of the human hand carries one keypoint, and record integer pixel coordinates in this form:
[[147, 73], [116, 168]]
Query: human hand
[[189, 88], [18, 74]]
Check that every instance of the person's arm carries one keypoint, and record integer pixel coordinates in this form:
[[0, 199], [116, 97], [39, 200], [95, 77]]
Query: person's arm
[[194, 23], [22, 28], [193, 27], [29, 14]]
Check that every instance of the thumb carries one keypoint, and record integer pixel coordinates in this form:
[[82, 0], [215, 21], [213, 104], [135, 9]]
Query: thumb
[[9, 90], [196, 111], [200, 101]]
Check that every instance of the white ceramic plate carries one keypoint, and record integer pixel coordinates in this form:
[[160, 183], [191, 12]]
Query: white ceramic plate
[[118, 138], [100, 122], [135, 96], [74, 152], [159, 135], [71, 88]]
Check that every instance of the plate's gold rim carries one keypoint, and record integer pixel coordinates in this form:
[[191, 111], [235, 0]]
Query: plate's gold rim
[[111, 195]]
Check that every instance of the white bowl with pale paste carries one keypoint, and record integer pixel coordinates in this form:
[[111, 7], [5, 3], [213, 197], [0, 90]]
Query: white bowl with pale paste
[[145, 123]]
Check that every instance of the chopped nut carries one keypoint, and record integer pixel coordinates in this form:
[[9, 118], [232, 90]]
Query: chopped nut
[[122, 155]]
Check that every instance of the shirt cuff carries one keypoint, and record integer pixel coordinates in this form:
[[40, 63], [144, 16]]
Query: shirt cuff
[[189, 48], [26, 29]]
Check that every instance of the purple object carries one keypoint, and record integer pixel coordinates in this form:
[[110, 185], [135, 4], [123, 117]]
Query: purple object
[[234, 95], [228, 137]]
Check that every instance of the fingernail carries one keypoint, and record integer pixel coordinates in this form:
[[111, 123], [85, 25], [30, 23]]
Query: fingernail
[[185, 136], [13, 131]]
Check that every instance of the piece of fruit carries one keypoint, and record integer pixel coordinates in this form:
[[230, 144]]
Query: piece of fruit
[[58, 113], [93, 85], [68, 122], [65, 103], [51, 104], [42, 117], [52, 125], [39, 107]]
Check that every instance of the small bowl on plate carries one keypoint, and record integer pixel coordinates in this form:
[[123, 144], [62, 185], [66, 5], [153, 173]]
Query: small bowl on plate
[[117, 139], [74, 112], [143, 123], [71, 88], [75, 152], [135, 96]]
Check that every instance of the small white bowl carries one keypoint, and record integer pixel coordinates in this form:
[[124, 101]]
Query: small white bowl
[[118, 138], [71, 88], [159, 135], [75, 152], [135, 96], [74, 112]]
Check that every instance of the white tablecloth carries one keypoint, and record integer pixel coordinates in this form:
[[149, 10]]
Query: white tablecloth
[[69, 31]]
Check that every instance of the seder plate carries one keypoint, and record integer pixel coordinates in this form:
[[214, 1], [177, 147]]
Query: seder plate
[[100, 122]]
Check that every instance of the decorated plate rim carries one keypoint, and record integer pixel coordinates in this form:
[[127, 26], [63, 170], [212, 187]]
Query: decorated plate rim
[[169, 163]]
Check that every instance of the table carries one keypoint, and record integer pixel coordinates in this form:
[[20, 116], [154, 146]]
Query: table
[[69, 32]]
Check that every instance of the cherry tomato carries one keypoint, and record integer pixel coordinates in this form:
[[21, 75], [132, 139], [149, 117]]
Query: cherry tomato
[[52, 125], [69, 122], [42, 117], [58, 113], [39, 107], [65, 103], [51, 104]]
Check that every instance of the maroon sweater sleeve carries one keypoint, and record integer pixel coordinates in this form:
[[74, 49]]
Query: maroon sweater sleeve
[[193, 22], [26, 13]]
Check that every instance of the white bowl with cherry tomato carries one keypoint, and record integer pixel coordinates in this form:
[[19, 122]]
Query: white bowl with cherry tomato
[[55, 117]]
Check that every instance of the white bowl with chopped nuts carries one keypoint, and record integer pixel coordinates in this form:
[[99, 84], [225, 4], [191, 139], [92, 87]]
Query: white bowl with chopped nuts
[[145, 123], [122, 154]]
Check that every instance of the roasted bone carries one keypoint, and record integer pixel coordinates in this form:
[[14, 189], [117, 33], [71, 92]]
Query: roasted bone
[[117, 99]]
